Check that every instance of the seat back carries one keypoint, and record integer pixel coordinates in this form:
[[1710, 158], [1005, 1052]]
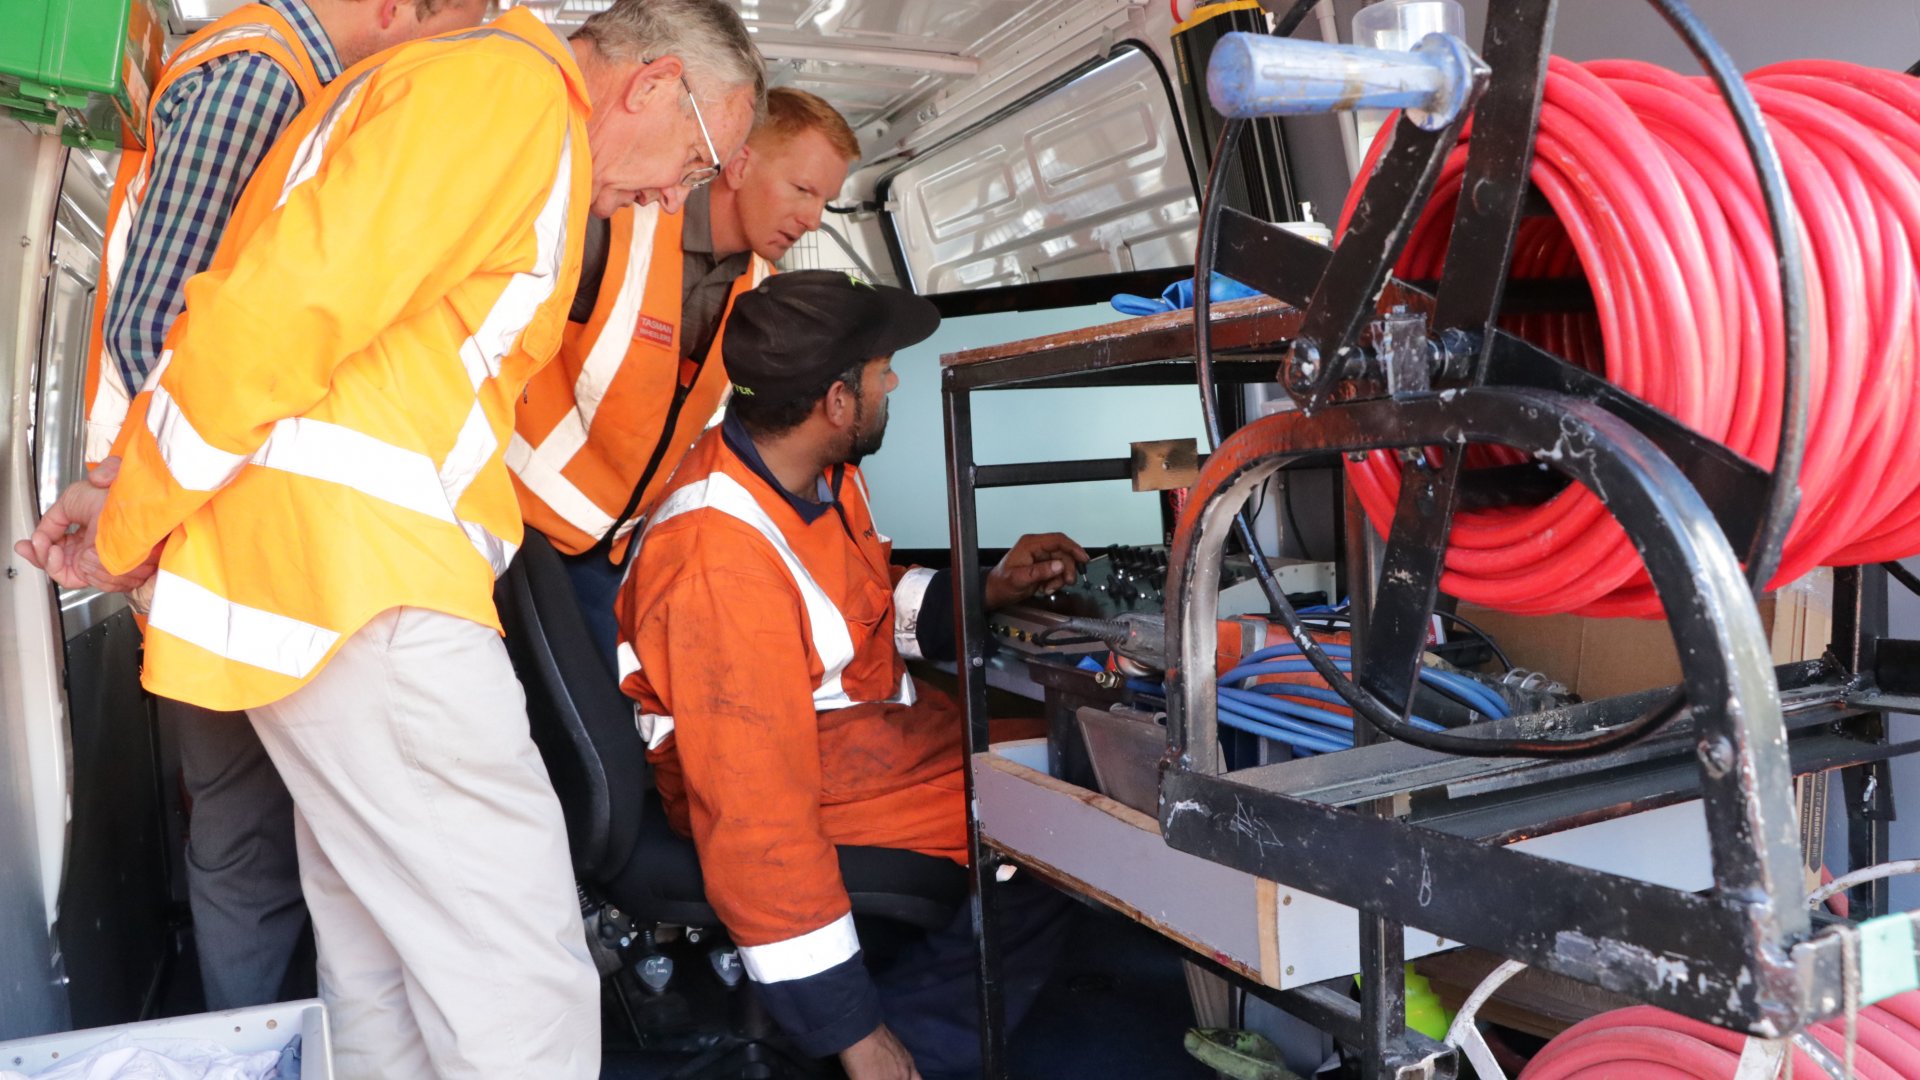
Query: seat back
[[580, 720]]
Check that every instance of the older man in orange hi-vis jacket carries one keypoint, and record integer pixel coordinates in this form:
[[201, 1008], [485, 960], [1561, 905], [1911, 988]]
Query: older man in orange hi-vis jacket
[[764, 636], [313, 481]]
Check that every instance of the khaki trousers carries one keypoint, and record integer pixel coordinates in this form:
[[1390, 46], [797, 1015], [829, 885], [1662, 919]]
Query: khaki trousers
[[434, 860]]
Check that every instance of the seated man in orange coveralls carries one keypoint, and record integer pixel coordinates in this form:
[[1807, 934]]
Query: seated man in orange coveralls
[[765, 636]]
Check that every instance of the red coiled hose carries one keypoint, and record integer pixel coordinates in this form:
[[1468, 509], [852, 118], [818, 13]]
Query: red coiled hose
[[1655, 205], [1647, 1042]]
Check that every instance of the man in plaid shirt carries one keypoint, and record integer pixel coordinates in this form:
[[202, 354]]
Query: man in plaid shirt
[[210, 130]]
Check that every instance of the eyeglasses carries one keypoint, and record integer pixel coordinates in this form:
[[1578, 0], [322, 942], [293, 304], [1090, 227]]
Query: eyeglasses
[[705, 174]]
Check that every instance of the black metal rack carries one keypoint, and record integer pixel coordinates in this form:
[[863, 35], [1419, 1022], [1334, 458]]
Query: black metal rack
[[1414, 832], [1611, 931]]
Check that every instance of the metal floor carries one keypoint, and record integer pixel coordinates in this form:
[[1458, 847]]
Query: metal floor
[[1117, 1007]]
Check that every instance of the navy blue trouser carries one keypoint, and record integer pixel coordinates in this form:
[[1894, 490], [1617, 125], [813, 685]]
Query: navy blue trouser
[[596, 581], [927, 989]]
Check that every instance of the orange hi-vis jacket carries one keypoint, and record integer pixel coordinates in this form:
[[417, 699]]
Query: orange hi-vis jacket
[[322, 440], [766, 655], [253, 28], [601, 429]]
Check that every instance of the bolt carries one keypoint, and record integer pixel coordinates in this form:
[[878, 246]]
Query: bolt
[[1716, 754], [1303, 363], [1483, 193]]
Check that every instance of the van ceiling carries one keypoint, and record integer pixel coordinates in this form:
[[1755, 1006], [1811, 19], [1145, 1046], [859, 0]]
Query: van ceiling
[[875, 60]]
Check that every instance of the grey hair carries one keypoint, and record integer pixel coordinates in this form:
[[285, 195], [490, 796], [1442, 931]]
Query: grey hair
[[707, 35]]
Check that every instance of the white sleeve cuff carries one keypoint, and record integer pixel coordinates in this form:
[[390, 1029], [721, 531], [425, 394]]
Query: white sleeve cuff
[[907, 598], [800, 957]]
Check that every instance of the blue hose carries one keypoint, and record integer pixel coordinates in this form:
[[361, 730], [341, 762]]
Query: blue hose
[[1264, 710], [1459, 687], [1286, 708], [1292, 735], [1467, 691], [1321, 693]]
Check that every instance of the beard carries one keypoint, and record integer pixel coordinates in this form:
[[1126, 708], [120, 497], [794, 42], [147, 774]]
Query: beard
[[867, 436]]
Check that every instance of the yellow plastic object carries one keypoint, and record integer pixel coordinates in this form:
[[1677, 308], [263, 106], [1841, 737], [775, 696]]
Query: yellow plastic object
[[1426, 1013]]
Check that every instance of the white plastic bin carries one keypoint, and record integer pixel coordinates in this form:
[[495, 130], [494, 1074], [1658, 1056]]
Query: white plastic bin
[[244, 1031]]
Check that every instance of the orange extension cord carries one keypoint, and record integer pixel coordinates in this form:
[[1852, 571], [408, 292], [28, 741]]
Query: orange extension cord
[[1656, 206]]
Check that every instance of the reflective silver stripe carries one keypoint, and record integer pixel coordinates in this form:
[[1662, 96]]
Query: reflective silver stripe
[[319, 450], [558, 492], [137, 187], [609, 350], [653, 727], [539, 468], [313, 147], [196, 464], [306, 160], [107, 412], [113, 254], [806, 955], [480, 354], [830, 637], [629, 661], [907, 598], [373, 467], [832, 641], [232, 33], [866, 498], [249, 635], [497, 334], [325, 451]]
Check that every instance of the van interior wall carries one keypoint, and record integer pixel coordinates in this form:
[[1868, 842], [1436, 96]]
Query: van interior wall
[[33, 764]]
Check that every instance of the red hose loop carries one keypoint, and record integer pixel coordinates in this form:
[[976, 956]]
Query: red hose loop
[[1655, 204], [1642, 1040]]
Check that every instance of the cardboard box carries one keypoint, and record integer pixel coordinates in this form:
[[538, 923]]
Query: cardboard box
[[1599, 658]]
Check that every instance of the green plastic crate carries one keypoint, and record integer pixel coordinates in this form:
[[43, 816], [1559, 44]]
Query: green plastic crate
[[85, 66]]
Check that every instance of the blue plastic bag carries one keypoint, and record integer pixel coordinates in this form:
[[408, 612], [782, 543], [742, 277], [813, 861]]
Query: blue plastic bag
[[1179, 295]]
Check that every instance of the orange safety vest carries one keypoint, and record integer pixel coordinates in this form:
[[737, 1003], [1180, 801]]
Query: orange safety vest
[[612, 416], [322, 439], [766, 655], [254, 28]]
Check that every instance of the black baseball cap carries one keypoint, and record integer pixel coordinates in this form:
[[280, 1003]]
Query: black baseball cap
[[794, 331]]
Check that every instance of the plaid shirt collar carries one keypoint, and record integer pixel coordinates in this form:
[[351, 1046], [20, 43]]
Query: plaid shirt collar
[[313, 37]]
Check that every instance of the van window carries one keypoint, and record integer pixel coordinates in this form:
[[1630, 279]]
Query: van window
[[59, 435], [1090, 177]]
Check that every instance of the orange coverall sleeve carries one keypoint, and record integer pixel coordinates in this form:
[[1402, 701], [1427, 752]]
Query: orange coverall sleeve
[[435, 177], [734, 675]]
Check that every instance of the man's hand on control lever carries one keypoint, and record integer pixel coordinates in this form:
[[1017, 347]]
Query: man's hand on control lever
[[1039, 562], [879, 1056]]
